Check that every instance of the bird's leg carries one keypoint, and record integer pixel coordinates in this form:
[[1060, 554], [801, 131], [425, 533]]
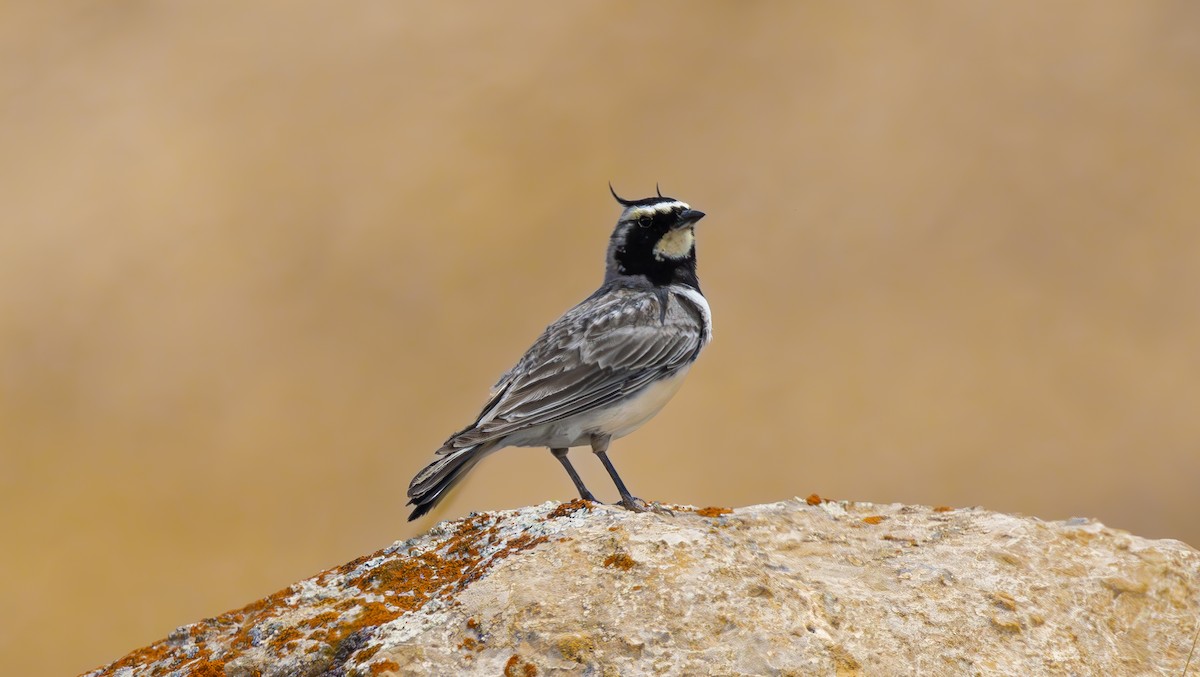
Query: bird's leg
[[561, 455], [631, 502]]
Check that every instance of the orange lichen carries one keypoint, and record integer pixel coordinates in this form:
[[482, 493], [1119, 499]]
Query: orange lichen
[[384, 666], [249, 615], [321, 620], [373, 615], [566, 509], [874, 519], [266, 604], [813, 499], [472, 624], [620, 561], [208, 669], [943, 508], [286, 635], [713, 511], [167, 653], [144, 656], [322, 628], [516, 667], [364, 655], [407, 582]]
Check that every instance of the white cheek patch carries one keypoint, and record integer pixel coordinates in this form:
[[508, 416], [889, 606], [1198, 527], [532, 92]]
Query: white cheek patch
[[676, 244]]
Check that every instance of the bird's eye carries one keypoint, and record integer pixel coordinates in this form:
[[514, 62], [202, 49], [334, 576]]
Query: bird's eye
[[644, 221]]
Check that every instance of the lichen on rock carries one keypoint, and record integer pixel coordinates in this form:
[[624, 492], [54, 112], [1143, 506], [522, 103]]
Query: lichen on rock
[[798, 587]]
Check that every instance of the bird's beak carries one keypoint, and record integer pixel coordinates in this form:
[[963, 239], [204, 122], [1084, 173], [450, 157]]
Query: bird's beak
[[689, 218]]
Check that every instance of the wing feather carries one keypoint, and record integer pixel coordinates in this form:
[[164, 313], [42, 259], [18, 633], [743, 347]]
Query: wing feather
[[607, 347]]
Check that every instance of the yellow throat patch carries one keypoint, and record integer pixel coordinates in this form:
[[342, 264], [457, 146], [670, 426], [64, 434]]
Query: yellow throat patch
[[676, 244]]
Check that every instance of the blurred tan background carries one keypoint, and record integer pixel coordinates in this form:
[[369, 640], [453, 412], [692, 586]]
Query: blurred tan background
[[258, 260]]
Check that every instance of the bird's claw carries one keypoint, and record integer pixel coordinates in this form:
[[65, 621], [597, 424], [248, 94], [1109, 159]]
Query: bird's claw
[[634, 504]]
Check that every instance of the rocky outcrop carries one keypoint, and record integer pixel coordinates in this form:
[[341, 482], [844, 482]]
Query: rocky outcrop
[[802, 587]]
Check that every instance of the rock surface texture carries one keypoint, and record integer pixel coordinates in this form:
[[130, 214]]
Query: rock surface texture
[[802, 587]]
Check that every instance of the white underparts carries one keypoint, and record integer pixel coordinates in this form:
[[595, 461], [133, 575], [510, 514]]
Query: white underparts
[[677, 243], [629, 414]]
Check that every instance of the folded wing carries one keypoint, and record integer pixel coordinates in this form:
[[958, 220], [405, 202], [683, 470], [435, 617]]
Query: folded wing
[[598, 352]]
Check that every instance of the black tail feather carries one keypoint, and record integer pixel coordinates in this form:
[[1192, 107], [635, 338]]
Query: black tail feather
[[431, 484]]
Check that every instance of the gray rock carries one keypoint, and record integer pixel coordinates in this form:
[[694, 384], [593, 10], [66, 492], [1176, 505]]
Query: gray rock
[[793, 588]]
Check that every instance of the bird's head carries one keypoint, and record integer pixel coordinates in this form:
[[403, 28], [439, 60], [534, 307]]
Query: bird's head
[[655, 238]]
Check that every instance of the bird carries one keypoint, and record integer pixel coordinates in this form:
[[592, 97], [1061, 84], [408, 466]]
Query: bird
[[604, 368]]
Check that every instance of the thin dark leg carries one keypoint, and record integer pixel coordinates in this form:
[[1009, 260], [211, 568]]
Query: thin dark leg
[[561, 455], [600, 447]]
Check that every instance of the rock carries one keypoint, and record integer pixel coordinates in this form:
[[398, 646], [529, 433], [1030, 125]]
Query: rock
[[794, 588]]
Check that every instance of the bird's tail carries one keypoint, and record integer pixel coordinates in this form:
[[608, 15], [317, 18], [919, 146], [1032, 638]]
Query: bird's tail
[[431, 484]]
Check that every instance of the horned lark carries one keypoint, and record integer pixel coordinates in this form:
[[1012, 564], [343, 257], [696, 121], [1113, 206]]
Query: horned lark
[[605, 367]]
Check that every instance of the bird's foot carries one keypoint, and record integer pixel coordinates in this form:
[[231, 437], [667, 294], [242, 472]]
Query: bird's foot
[[634, 504]]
